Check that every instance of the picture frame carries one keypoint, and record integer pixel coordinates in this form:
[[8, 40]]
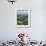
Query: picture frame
[[23, 17]]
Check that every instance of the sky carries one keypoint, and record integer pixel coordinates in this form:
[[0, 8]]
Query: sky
[[22, 12]]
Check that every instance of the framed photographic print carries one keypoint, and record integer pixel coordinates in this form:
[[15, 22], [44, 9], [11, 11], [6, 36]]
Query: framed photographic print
[[23, 17]]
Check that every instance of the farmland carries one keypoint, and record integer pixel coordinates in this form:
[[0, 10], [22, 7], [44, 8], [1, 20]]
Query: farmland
[[22, 19]]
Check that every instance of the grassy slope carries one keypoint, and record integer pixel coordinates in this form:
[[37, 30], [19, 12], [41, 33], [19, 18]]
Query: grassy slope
[[22, 20]]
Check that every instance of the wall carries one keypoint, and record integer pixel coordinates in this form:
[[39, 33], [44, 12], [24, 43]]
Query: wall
[[8, 28]]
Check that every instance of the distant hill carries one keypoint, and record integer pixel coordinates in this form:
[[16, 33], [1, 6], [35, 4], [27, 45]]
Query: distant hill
[[22, 14]]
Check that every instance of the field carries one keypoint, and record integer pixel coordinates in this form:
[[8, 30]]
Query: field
[[22, 19]]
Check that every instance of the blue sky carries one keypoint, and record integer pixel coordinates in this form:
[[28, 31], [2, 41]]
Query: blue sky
[[22, 11]]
